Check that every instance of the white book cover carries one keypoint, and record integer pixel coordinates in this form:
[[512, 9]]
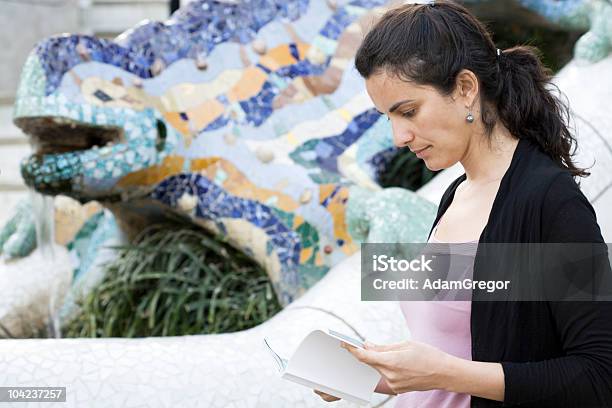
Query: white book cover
[[319, 362]]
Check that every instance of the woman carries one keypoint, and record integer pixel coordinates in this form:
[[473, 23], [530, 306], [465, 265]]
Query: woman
[[451, 96]]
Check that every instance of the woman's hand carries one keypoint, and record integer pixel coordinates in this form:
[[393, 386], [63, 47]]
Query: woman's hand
[[326, 397], [407, 366]]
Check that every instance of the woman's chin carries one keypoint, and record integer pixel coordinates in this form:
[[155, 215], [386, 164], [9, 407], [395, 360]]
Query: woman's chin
[[432, 165], [436, 165]]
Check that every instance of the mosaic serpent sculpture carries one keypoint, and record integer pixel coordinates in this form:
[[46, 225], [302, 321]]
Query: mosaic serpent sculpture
[[255, 147], [266, 143]]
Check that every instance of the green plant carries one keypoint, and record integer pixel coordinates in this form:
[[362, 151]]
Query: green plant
[[405, 170], [176, 280]]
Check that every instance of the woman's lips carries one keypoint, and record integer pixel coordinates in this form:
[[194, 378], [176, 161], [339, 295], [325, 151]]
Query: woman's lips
[[420, 153]]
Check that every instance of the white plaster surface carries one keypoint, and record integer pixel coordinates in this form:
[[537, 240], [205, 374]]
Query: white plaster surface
[[226, 370]]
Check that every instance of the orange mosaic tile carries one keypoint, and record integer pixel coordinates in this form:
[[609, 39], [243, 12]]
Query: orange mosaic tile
[[204, 114], [154, 174], [174, 119], [248, 86], [280, 56]]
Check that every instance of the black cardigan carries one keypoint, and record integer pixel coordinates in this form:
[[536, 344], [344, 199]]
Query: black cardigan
[[553, 354]]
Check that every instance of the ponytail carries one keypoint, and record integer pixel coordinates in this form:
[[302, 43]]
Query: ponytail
[[528, 108]]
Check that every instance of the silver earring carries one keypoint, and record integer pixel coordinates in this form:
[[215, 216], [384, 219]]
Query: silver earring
[[469, 118]]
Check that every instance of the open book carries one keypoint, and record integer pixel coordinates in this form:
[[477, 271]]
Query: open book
[[320, 363]]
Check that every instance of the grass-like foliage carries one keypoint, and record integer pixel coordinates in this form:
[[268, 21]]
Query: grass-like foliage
[[407, 171], [176, 280]]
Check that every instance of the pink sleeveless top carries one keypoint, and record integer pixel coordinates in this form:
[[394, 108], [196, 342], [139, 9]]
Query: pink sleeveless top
[[445, 325]]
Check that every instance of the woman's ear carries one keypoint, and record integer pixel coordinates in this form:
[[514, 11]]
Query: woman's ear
[[466, 88]]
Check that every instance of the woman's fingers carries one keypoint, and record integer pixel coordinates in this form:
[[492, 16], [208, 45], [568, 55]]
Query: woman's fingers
[[386, 347], [326, 397], [370, 357]]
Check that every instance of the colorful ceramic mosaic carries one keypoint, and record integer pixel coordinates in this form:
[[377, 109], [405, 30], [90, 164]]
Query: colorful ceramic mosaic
[[255, 131]]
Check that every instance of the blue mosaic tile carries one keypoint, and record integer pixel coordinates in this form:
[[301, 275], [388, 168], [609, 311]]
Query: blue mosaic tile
[[302, 68], [334, 27], [293, 50], [217, 123], [263, 68]]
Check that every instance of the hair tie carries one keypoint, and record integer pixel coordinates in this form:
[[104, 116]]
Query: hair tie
[[499, 56]]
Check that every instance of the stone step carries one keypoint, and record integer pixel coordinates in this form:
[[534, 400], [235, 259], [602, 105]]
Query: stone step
[[9, 133]]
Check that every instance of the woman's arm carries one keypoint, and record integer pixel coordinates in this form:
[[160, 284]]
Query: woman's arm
[[580, 378], [485, 380]]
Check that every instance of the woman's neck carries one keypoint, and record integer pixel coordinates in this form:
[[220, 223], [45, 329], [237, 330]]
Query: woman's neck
[[488, 158]]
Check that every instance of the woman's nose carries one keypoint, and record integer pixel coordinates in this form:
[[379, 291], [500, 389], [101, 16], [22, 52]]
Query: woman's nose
[[401, 136]]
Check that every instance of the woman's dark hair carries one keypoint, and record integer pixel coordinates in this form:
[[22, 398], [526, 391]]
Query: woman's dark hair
[[429, 44]]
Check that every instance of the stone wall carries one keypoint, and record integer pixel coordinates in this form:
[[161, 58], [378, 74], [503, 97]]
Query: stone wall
[[23, 24]]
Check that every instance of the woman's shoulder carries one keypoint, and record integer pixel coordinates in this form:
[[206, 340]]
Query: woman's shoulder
[[562, 188], [566, 213], [538, 177]]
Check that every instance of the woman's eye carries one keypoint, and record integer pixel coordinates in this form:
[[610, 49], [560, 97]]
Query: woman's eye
[[409, 114]]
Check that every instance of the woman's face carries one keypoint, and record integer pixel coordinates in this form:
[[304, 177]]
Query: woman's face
[[429, 124]]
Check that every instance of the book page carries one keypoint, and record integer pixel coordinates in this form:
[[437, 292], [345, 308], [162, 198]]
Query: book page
[[347, 339], [322, 363]]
